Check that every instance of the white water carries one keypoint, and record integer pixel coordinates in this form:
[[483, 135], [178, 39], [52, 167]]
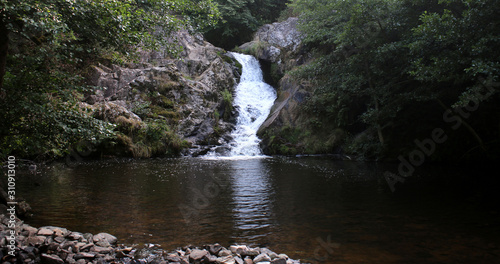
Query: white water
[[254, 99]]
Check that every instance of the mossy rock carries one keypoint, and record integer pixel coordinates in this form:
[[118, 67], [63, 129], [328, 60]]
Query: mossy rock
[[167, 113], [163, 101]]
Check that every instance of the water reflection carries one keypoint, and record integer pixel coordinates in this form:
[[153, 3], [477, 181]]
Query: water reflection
[[283, 203], [251, 204]]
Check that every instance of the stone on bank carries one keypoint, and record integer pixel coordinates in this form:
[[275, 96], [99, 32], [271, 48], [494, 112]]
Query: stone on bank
[[56, 245]]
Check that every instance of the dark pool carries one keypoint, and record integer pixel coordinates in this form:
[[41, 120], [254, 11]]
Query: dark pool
[[311, 208]]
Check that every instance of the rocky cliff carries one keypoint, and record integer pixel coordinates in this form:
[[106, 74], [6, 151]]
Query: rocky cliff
[[289, 129], [189, 97]]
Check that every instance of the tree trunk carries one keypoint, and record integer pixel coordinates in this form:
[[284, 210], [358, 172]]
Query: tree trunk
[[379, 127]]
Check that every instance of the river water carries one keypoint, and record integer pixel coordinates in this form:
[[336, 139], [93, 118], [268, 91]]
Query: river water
[[317, 209], [313, 208]]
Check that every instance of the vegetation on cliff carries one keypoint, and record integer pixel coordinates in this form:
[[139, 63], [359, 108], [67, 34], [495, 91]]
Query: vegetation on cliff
[[388, 73], [373, 78], [241, 18], [46, 48]]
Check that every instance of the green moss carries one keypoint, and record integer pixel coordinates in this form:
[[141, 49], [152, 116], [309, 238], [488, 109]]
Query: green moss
[[162, 101], [255, 48], [157, 111], [127, 125], [164, 86]]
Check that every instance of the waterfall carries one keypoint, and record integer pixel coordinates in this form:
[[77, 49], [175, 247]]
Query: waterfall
[[254, 99]]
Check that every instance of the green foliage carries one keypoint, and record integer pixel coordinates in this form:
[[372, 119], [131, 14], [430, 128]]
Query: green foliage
[[376, 59], [45, 46], [152, 138], [255, 48], [241, 18], [228, 104]]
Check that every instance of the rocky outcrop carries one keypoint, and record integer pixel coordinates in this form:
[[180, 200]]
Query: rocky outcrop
[[280, 44], [22, 243], [187, 92]]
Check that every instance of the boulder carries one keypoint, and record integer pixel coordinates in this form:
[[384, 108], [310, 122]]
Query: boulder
[[281, 34], [104, 240], [197, 254]]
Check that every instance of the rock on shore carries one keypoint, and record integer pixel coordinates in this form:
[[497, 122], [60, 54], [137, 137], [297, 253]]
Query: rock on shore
[[57, 245]]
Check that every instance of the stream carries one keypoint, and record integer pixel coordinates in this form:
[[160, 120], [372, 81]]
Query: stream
[[317, 209]]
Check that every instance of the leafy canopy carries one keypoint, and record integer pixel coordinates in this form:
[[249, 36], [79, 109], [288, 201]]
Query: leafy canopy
[[45, 47], [377, 62]]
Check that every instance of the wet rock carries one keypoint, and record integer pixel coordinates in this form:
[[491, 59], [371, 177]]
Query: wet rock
[[45, 232], [56, 231], [262, 258], [85, 247], [51, 259], [121, 254], [36, 240], [173, 258], [226, 260], [210, 259], [102, 250], [59, 239], [142, 253], [278, 261], [87, 237], [28, 230], [104, 239], [238, 260], [224, 252], [84, 255], [197, 254], [252, 252], [214, 249], [75, 236], [55, 248], [238, 249]]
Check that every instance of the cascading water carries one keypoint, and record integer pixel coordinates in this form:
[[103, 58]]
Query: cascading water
[[254, 99]]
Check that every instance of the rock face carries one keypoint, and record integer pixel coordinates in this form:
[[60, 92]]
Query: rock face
[[187, 92], [280, 44], [281, 35], [56, 245]]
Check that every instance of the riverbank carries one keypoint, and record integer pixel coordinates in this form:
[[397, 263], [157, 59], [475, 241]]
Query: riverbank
[[57, 245]]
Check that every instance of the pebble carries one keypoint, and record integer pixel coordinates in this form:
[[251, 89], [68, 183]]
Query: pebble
[[56, 245]]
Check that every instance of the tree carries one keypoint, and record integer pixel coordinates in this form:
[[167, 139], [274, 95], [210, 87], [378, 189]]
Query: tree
[[44, 48], [386, 68], [241, 18]]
